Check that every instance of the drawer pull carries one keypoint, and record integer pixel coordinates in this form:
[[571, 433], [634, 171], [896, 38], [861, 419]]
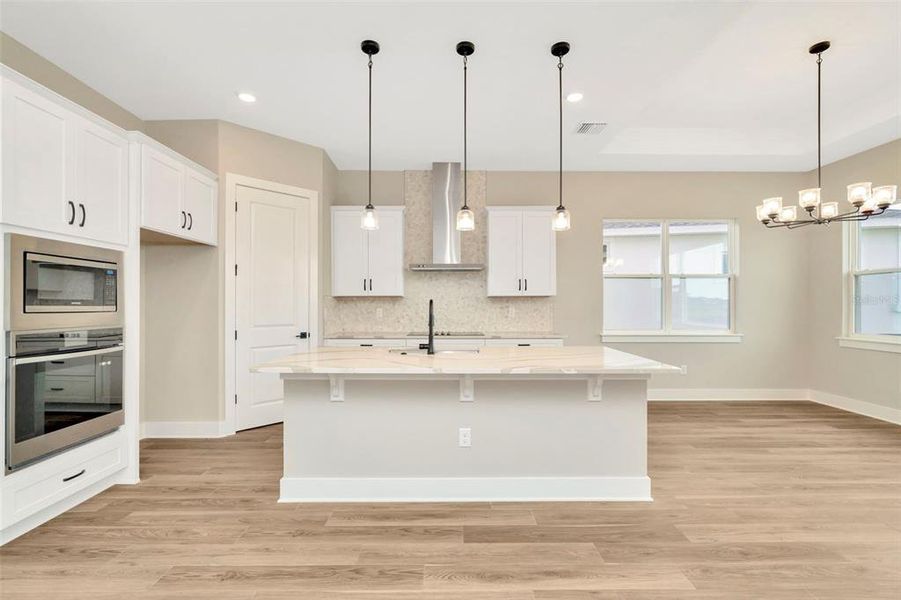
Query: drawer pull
[[366, 345], [57, 362], [53, 389], [71, 477], [523, 344]]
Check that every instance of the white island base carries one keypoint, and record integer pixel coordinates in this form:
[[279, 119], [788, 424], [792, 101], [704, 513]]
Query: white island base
[[538, 431]]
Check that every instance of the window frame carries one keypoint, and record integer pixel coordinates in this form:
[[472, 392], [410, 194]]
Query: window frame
[[667, 333], [850, 259]]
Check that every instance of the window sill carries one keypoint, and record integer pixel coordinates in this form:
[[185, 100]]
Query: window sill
[[673, 338], [876, 344]]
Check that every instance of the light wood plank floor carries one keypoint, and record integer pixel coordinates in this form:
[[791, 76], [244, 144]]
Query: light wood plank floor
[[753, 500]]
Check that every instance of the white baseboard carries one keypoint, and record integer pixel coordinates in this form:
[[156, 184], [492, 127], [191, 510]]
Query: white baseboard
[[681, 394], [183, 429], [464, 489], [54, 510], [860, 407]]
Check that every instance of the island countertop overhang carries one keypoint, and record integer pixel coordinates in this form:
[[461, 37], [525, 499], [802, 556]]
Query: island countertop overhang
[[558, 361]]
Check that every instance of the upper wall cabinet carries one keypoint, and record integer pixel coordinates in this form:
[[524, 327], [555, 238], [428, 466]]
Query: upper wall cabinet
[[63, 172], [522, 251], [367, 263], [178, 197]]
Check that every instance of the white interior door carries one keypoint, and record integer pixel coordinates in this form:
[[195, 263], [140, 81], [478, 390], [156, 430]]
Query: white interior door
[[272, 289]]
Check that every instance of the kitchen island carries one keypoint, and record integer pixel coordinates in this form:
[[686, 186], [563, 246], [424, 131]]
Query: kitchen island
[[381, 424]]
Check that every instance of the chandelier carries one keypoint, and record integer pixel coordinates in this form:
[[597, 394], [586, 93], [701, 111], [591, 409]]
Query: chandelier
[[866, 201]]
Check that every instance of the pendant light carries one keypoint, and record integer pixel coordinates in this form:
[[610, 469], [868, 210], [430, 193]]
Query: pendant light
[[561, 220], [370, 220], [865, 200], [466, 220]]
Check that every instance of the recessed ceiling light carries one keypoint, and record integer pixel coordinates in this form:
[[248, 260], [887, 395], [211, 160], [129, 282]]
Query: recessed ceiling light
[[246, 97], [574, 97]]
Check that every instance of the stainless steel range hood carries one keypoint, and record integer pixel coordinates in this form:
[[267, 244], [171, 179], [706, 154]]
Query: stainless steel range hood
[[447, 198]]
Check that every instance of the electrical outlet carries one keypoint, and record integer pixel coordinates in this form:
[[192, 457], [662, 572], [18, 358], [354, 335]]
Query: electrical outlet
[[465, 437], [379, 313], [511, 312]]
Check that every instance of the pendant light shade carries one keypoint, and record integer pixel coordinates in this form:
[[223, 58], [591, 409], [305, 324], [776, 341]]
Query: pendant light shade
[[561, 220], [466, 219], [370, 220]]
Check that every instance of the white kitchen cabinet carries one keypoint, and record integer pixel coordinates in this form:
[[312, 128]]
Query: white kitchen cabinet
[[101, 183], [162, 191], [522, 251], [200, 206], [178, 197], [367, 263], [63, 172]]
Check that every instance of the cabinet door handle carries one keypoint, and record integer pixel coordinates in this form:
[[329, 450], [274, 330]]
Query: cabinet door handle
[[84, 214], [190, 221], [519, 285], [526, 288], [71, 477], [364, 284], [72, 206], [370, 284], [184, 219]]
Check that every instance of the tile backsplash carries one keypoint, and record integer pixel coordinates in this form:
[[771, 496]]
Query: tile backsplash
[[460, 298]]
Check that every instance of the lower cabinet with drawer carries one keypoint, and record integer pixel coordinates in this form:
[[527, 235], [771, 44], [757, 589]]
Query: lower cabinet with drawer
[[32, 489]]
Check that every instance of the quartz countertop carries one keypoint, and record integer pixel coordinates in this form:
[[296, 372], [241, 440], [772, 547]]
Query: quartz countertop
[[564, 360], [506, 335]]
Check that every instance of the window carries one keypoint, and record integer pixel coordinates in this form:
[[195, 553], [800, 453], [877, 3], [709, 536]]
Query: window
[[873, 284], [669, 278]]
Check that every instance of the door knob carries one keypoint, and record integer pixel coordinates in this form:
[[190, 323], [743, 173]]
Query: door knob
[[302, 335]]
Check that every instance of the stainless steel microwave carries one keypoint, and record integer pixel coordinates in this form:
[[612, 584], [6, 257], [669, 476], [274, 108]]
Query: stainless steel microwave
[[61, 285]]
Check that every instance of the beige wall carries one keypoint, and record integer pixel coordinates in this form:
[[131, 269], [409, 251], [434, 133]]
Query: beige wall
[[461, 300], [789, 287], [771, 282], [180, 294], [22, 59], [866, 375], [224, 148]]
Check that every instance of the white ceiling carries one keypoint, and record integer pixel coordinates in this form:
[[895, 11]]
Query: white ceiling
[[684, 86]]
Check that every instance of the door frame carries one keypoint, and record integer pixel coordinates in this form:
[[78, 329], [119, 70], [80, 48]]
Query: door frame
[[232, 181]]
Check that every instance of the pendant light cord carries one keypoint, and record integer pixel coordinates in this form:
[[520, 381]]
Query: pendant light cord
[[560, 80], [465, 198], [819, 120], [370, 133]]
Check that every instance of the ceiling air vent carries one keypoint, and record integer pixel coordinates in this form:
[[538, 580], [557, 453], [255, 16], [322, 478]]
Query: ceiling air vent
[[590, 128]]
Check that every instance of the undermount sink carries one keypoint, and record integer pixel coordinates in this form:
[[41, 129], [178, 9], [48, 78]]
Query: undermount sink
[[437, 352]]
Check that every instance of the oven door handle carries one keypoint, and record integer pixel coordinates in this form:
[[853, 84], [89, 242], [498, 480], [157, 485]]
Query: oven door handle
[[26, 360]]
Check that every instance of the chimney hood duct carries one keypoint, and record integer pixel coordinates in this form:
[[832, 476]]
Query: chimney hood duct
[[447, 185]]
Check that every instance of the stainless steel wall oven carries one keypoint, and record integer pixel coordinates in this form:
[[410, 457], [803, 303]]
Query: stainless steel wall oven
[[65, 347], [63, 388]]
